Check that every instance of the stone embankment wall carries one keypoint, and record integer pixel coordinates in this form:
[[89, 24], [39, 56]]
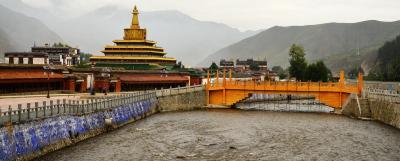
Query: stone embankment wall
[[25, 141], [40, 130], [375, 109], [182, 102]]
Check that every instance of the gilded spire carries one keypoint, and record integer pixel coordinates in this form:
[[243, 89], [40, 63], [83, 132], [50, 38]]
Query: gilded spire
[[135, 18], [135, 32]]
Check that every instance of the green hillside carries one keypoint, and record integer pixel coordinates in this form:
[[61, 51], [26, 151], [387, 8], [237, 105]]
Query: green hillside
[[320, 42], [355, 58], [387, 64]]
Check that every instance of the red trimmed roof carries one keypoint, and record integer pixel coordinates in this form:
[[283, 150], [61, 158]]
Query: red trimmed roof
[[28, 74], [154, 79]]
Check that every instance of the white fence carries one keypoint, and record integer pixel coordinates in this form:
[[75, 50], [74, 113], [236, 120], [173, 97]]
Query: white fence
[[179, 90], [34, 110], [386, 95]]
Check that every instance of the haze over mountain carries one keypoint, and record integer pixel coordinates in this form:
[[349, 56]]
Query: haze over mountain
[[19, 32], [5, 44], [183, 37], [319, 41], [191, 40]]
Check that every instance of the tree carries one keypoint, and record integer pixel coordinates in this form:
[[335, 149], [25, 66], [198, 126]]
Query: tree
[[281, 73], [297, 62], [387, 66], [311, 73], [324, 72], [85, 57], [317, 72], [59, 44], [254, 67], [277, 69], [213, 67]]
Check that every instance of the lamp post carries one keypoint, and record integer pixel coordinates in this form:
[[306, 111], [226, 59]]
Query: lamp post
[[92, 90], [48, 71]]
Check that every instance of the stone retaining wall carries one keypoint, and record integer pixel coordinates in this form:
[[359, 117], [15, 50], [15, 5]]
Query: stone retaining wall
[[388, 113], [36, 138], [182, 102], [375, 109]]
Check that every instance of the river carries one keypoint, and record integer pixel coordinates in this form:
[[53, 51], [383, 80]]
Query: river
[[240, 135]]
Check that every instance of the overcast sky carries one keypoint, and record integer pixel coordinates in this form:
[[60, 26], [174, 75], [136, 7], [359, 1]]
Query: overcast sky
[[246, 14]]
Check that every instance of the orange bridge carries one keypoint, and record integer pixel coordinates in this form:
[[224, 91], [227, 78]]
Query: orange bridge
[[226, 91]]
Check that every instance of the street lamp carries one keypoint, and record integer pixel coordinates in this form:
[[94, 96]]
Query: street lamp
[[92, 90], [48, 71]]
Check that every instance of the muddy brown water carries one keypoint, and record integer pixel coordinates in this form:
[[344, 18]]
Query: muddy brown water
[[240, 135]]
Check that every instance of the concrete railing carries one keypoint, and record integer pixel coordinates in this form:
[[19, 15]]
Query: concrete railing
[[35, 111], [179, 90], [39, 110], [386, 95]]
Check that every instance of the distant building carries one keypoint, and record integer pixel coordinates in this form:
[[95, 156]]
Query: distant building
[[26, 58], [66, 56], [35, 79], [244, 65], [228, 64]]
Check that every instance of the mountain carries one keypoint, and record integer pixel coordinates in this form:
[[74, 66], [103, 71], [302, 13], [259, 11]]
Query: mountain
[[319, 41], [387, 62], [5, 44], [187, 39], [20, 7], [19, 32], [354, 59]]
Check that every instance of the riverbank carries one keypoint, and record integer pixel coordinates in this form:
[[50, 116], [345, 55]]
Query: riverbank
[[32, 132], [241, 135]]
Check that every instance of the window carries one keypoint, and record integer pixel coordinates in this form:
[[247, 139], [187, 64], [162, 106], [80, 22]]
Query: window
[[11, 60], [30, 60], [20, 60]]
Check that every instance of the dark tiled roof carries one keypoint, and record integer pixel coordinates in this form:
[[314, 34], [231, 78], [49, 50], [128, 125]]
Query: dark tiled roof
[[25, 54], [22, 74], [146, 78]]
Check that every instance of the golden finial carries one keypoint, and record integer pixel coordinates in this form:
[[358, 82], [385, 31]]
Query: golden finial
[[135, 18], [135, 10]]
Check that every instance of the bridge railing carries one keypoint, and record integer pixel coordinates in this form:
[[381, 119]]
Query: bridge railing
[[179, 90], [36, 110], [284, 86], [381, 94]]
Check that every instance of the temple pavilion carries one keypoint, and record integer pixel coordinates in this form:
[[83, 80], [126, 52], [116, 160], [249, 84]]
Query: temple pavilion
[[134, 52]]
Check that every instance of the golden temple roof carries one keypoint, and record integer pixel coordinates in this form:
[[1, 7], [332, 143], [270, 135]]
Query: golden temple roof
[[134, 46], [134, 41], [131, 58], [133, 51]]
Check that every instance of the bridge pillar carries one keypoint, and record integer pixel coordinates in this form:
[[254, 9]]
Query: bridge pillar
[[360, 83], [230, 74], [224, 85], [216, 82]]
